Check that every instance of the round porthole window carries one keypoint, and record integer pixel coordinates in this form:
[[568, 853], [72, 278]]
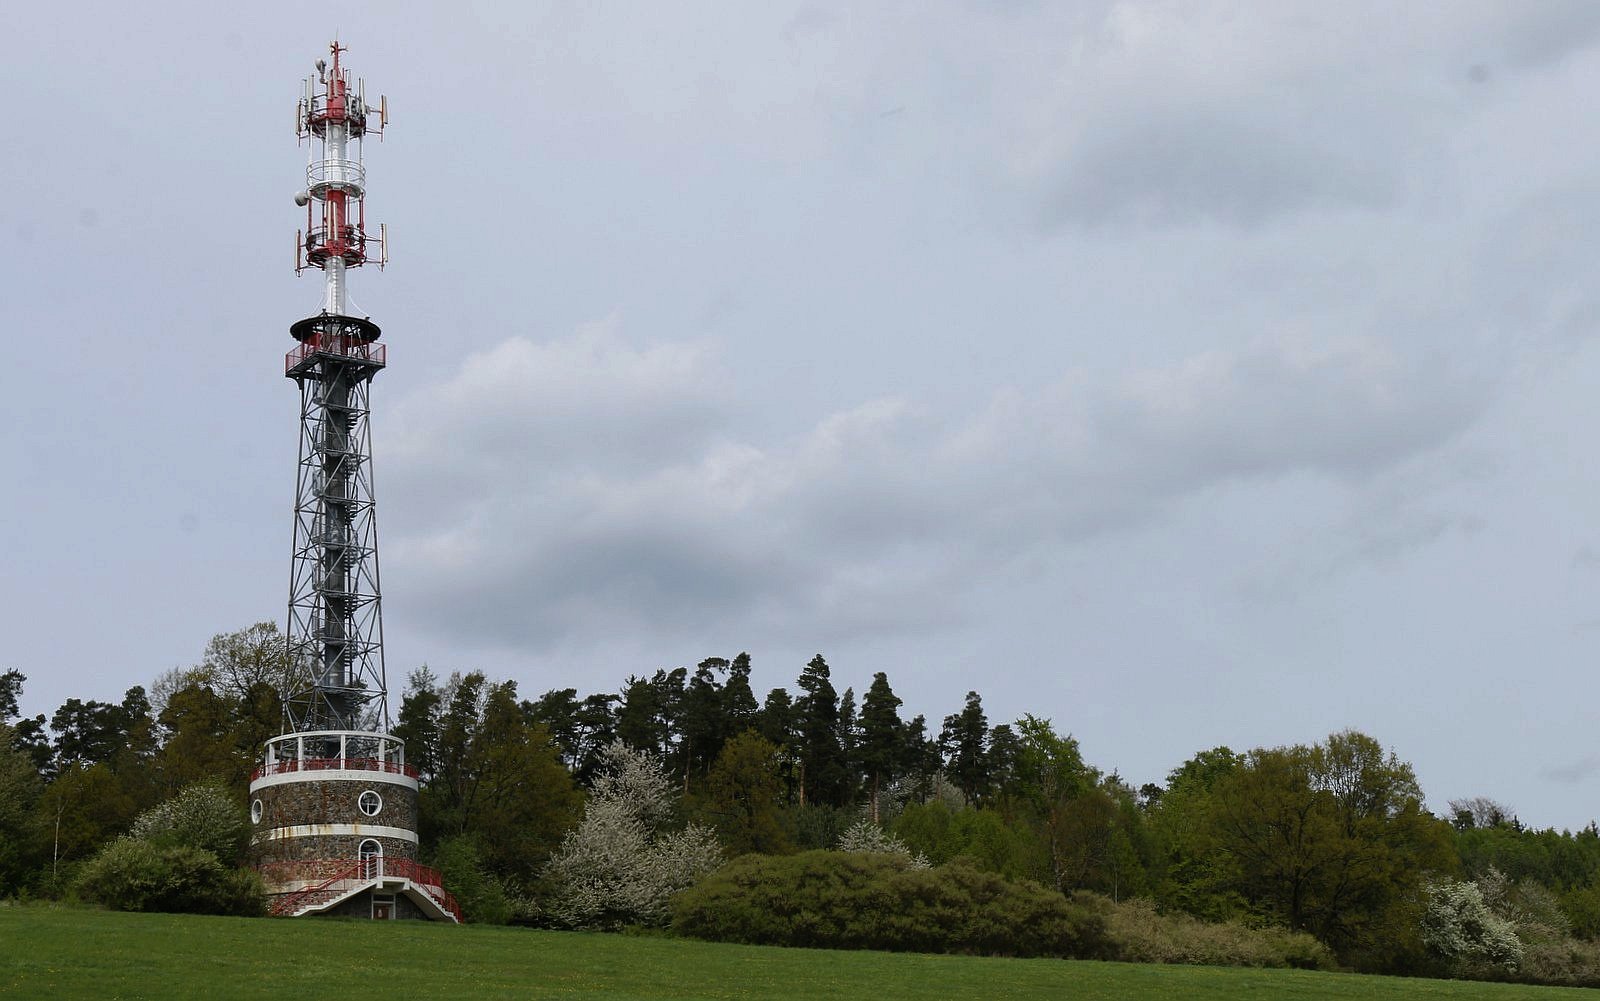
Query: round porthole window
[[255, 811], [370, 803]]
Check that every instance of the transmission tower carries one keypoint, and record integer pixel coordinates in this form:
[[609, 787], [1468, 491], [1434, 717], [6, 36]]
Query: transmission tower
[[334, 804]]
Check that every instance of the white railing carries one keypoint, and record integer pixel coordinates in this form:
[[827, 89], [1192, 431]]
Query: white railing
[[345, 175]]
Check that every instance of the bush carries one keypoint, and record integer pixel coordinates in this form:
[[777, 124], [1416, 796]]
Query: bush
[[820, 827], [858, 900], [1141, 934], [134, 875], [941, 834], [1567, 962], [203, 816], [482, 897]]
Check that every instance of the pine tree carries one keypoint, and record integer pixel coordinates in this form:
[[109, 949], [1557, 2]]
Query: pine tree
[[882, 748], [849, 739], [738, 699], [418, 725], [964, 743], [701, 724], [596, 729], [639, 722], [557, 711], [777, 722], [920, 760], [822, 770]]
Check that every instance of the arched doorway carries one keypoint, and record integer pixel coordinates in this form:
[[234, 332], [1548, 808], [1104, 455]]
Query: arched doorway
[[371, 853]]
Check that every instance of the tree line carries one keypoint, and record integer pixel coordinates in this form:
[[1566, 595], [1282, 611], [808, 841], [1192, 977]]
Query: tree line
[[1333, 839]]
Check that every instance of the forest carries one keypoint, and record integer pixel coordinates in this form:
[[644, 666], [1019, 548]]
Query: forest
[[817, 814]]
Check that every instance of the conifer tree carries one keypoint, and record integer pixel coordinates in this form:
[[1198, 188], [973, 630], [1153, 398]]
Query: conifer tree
[[964, 742], [822, 770], [882, 748]]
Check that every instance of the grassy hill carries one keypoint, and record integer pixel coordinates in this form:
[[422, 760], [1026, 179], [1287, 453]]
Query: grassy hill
[[68, 953]]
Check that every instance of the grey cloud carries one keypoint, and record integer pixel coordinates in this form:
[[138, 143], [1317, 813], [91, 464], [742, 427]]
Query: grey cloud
[[1170, 117], [1542, 34], [873, 518], [1185, 165], [1346, 407], [1572, 772], [578, 403]]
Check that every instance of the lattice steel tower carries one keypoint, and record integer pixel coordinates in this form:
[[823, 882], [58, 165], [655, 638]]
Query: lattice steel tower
[[335, 629], [334, 804]]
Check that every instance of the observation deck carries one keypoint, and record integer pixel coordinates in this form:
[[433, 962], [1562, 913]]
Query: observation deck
[[326, 337], [335, 751]]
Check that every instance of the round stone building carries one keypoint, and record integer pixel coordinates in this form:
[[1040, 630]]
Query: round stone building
[[334, 816]]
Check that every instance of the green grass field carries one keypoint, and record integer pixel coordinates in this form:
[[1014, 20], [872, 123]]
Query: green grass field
[[68, 953]]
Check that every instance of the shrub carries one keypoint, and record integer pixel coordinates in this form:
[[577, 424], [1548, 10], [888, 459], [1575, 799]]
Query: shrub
[[820, 827], [941, 834], [201, 816], [1141, 934], [134, 875], [859, 900], [482, 896], [1567, 962]]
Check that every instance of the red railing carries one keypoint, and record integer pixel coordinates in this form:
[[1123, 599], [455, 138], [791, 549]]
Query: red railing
[[339, 345], [429, 879], [291, 903], [329, 764], [327, 872]]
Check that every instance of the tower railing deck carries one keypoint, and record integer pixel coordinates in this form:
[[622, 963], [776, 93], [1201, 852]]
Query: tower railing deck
[[337, 346], [334, 764]]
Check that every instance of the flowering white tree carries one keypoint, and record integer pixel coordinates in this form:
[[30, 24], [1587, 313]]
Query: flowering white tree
[[1460, 926], [620, 866], [865, 836]]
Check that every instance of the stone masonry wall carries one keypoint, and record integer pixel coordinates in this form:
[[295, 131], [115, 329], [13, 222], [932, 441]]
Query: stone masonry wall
[[321, 801]]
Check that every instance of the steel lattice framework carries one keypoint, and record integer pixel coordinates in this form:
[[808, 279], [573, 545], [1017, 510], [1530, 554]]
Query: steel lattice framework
[[335, 598]]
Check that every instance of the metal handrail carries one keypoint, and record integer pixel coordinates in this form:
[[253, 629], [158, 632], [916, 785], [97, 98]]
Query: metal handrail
[[322, 173], [286, 904], [427, 878], [373, 867], [342, 347], [334, 764]]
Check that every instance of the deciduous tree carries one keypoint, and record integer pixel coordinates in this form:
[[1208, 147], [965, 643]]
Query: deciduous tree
[[744, 796], [1332, 839]]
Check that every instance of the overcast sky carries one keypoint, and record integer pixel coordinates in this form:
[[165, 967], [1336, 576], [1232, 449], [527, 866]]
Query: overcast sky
[[1189, 374]]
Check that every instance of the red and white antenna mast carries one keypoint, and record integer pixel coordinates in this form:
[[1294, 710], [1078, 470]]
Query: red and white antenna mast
[[335, 117], [335, 623]]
